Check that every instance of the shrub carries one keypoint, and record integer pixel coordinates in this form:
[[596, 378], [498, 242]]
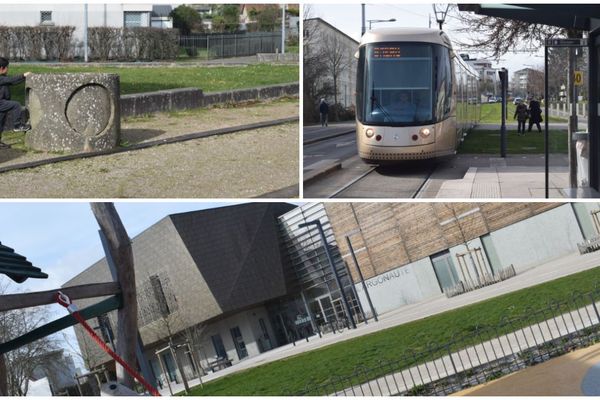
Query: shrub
[[35, 43], [133, 44]]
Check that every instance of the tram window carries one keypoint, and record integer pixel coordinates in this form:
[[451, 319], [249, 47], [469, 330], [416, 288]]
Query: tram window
[[404, 83]]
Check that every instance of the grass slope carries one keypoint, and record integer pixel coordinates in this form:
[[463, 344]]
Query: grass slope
[[488, 142], [151, 78], [290, 375]]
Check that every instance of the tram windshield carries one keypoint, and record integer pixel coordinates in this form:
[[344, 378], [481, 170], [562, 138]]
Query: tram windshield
[[403, 84]]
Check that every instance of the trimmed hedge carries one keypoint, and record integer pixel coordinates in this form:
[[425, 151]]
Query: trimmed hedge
[[39, 43], [133, 44], [34, 43]]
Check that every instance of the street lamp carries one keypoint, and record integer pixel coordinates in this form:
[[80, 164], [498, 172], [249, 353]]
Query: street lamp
[[375, 21], [440, 10], [317, 223]]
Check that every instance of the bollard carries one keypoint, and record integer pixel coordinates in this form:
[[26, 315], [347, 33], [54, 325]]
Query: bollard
[[73, 112]]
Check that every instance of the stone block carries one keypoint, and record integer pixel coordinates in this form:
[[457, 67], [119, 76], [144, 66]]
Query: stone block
[[73, 112]]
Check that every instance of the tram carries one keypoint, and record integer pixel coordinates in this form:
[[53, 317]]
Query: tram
[[415, 98]]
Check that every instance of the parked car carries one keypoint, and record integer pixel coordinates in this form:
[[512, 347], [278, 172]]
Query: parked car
[[517, 100], [492, 99]]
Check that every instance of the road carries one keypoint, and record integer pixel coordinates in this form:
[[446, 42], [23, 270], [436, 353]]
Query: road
[[335, 170]]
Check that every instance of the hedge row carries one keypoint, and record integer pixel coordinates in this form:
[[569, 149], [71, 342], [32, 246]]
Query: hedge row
[[39, 43]]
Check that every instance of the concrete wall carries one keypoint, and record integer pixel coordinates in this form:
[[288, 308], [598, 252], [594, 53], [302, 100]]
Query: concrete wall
[[405, 285], [538, 239], [187, 98]]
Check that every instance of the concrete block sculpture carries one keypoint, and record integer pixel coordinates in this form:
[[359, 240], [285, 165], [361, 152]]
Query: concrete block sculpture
[[73, 112]]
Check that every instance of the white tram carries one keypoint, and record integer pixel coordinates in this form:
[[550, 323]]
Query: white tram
[[415, 98]]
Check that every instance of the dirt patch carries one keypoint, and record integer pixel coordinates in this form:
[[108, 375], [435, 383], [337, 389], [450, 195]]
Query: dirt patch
[[240, 165]]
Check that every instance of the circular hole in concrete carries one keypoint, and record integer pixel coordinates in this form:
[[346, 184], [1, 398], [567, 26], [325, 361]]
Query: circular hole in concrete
[[89, 109]]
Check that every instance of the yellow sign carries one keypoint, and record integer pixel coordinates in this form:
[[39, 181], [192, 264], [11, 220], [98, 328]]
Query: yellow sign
[[578, 78]]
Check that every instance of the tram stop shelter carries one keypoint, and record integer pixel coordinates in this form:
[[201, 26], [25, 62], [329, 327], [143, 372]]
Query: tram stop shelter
[[580, 17]]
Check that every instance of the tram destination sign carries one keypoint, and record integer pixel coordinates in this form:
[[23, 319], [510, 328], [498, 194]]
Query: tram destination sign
[[386, 52], [566, 42]]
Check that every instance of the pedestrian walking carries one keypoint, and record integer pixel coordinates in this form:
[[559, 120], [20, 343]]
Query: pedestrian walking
[[521, 115], [324, 111], [535, 114]]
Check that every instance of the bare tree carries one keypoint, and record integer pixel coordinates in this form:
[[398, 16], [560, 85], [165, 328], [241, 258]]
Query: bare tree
[[337, 60], [20, 363], [498, 36]]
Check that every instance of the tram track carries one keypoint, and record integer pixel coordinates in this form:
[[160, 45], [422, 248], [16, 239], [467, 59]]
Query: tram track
[[394, 184], [150, 144]]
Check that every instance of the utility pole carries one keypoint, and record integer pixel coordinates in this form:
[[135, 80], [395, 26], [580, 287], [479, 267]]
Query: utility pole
[[283, 29], [85, 32], [572, 118], [363, 28]]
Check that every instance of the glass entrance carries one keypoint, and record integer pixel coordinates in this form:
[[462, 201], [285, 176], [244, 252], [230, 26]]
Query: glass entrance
[[445, 270], [238, 341]]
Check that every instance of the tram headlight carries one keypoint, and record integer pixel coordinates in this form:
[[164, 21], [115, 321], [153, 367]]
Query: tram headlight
[[425, 132], [369, 132]]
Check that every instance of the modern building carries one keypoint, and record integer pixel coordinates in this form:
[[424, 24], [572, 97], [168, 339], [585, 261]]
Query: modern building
[[58, 369], [215, 279], [488, 76], [221, 285], [528, 82], [98, 15], [335, 50]]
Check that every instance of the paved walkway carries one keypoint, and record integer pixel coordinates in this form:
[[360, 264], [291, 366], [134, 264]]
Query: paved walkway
[[574, 374], [550, 270]]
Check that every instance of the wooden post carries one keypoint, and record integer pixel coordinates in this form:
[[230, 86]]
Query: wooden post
[[122, 254], [3, 377], [179, 367]]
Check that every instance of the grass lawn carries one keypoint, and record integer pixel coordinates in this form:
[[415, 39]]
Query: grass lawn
[[491, 113], [317, 366], [151, 78], [488, 142]]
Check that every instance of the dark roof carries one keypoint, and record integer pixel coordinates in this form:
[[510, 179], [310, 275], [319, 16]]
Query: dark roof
[[568, 16], [16, 267]]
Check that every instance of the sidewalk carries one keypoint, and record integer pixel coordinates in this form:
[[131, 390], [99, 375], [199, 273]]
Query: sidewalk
[[547, 271], [516, 176]]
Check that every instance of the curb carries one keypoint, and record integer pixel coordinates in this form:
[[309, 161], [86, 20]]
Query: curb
[[314, 174], [316, 140]]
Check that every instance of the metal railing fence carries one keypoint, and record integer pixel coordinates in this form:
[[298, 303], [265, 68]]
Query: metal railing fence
[[484, 354], [211, 46]]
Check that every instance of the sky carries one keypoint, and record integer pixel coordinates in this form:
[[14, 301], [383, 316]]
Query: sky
[[347, 18], [62, 239]]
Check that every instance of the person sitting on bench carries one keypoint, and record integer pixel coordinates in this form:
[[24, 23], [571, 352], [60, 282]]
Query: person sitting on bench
[[7, 106]]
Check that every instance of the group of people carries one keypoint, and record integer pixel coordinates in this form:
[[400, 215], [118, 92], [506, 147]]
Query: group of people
[[533, 113]]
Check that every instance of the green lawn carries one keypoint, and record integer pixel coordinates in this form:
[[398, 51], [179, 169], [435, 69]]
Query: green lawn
[[147, 79], [491, 113], [293, 373], [488, 142]]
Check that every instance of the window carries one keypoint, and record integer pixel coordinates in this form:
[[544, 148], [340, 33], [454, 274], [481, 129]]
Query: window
[[159, 295], [46, 18], [238, 341], [133, 19], [218, 345], [105, 328]]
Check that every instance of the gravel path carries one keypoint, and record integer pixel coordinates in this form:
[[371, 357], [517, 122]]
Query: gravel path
[[239, 165]]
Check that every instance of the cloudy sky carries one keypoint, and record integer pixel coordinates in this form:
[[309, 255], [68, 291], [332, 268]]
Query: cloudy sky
[[347, 18]]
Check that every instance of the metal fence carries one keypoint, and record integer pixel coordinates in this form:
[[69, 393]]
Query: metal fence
[[212, 46], [484, 354]]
